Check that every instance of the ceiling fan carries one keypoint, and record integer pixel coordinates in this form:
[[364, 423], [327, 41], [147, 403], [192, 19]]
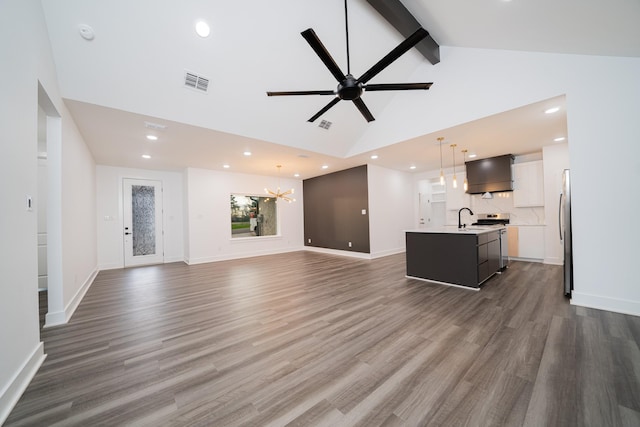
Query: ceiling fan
[[349, 88]]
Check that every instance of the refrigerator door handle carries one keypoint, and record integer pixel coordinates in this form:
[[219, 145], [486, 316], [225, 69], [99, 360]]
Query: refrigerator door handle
[[560, 216]]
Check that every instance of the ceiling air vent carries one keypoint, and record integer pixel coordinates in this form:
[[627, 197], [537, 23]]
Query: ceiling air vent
[[325, 124], [156, 126], [194, 81]]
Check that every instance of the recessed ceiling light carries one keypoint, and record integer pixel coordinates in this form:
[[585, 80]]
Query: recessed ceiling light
[[146, 156], [152, 137], [202, 28], [375, 156], [412, 167], [296, 175], [552, 110], [247, 153], [226, 166], [325, 166], [561, 138], [471, 156]]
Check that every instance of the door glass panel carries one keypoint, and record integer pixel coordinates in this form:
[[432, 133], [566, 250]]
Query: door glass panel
[[143, 226]]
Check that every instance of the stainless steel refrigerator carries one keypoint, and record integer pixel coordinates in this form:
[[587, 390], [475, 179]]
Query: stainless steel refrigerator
[[564, 218]]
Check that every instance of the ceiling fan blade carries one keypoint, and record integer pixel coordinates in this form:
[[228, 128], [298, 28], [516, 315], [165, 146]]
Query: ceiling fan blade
[[396, 53], [363, 109], [315, 43], [333, 102], [396, 86], [302, 92]]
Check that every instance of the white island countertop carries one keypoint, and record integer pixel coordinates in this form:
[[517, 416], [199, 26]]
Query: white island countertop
[[453, 229]]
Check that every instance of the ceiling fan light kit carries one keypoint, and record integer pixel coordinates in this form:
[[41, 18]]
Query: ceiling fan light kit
[[349, 88]]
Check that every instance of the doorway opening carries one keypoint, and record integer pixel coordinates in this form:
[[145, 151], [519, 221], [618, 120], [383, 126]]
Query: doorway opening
[[432, 209], [48, 205]]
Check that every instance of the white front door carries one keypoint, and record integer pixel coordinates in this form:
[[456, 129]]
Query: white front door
[[143, 232]]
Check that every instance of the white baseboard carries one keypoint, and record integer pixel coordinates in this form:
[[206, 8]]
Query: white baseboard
[[227, 257], [110, 266], [388, 252], [116, 266], [554, 260], [515, 258], [62, 317], [606, 303], [21, 379], [468, 288], [360, 255]]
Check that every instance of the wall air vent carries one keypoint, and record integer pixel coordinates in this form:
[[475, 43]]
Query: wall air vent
[[194, 81], [325, 124]]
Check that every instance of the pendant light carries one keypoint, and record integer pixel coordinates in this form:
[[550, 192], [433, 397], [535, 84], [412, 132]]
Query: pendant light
[[453, 150], [279, 194], [465, 185], [441, 171]]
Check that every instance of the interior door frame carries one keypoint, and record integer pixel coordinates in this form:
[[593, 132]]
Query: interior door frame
[[158, 257]]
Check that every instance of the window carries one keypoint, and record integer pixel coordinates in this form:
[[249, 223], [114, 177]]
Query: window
[[253, 216]]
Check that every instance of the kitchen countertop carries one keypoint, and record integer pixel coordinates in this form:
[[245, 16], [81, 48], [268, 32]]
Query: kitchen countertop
[[453, 229]]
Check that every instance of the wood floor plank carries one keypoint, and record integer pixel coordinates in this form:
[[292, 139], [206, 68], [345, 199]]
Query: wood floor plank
[[309, 339]]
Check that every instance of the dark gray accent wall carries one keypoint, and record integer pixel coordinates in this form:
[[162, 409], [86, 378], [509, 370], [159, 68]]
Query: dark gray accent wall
[[333, 207]]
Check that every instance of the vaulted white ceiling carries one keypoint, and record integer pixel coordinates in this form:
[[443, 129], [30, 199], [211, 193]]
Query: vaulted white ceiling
[[133, 71]]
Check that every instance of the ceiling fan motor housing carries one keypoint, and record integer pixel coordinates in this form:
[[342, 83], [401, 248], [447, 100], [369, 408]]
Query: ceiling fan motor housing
[[349, 89]]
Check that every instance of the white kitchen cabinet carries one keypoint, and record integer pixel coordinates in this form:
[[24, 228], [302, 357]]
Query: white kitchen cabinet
[[528, 183], [526, 242], [456, 197]]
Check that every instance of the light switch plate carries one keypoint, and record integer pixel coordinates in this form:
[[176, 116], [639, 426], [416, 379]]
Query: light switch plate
[[364, 211]]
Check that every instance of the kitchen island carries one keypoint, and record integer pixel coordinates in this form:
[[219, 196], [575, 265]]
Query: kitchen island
[[464, 257]]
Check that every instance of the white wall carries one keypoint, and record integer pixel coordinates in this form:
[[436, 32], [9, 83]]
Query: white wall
[[23, 65], [604, 131], [555, 161], [390, 209], [209, 222], [78, 212], [109, 213], [20, 346]]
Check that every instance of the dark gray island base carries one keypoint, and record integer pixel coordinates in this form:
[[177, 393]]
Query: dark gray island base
[[448, 256]]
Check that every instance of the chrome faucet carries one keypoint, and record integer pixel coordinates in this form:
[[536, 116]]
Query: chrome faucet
[[459, 212]]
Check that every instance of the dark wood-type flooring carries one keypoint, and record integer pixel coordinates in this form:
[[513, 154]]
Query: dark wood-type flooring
[[305, 339]]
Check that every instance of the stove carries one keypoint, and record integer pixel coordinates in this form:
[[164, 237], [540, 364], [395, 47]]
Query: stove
[[493, 219], [498, 220]]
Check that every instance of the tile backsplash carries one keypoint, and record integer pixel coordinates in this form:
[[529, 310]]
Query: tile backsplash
[[502, 203]]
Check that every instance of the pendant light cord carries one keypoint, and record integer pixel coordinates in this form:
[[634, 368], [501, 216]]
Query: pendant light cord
[[346, 24], [453, 150], [440, 141]]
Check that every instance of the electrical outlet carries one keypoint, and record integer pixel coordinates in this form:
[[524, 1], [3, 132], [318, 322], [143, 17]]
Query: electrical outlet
[[349, 244], [308, 240]]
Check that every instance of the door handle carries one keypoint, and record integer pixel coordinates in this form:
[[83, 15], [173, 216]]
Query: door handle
[[560, 217]]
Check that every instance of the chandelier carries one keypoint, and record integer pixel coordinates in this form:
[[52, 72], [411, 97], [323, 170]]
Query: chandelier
[[278, 194]]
